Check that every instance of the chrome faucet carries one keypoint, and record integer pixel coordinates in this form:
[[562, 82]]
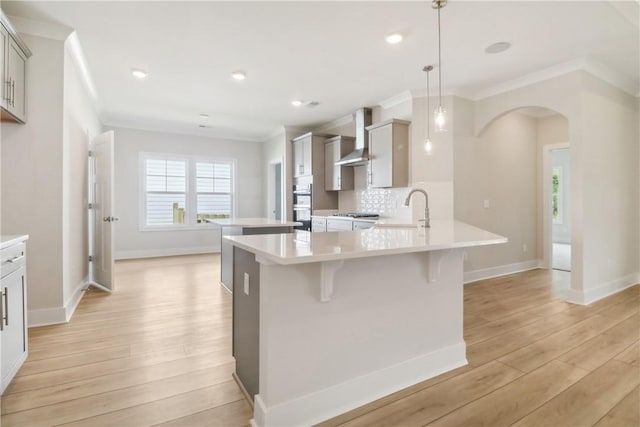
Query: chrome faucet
[[426, 205]]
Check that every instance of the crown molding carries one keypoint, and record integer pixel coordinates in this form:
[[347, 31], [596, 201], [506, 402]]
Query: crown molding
[[599, 70], [47, 30], [340, 121], [396, 100]]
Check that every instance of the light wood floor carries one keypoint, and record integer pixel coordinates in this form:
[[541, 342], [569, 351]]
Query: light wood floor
[[158, 352]]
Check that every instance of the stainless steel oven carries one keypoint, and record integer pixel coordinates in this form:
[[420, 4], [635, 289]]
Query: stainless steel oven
[[302, 203]]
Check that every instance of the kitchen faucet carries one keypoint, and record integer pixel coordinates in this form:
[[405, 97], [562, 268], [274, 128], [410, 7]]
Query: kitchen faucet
[[426, 205]]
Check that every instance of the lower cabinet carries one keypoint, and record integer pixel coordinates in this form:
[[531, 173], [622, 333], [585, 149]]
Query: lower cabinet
[[318, 225], [13, 312]]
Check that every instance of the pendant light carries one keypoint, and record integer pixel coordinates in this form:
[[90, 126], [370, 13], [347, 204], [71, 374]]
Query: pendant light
[[440, 114], [428, 145]]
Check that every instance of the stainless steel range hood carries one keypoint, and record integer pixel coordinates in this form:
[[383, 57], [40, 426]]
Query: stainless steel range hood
[[360, 155]]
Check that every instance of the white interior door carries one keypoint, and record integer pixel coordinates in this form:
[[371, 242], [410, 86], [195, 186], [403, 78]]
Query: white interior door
[[103, 208]]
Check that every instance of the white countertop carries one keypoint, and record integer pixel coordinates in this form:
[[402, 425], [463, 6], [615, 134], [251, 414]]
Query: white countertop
[[303, 247], [10, 240], [252, 222]]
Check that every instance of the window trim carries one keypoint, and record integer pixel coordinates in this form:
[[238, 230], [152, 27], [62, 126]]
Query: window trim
[[190, 191]]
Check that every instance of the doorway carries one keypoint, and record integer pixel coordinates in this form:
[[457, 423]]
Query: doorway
[[556, 190], [560, 209]]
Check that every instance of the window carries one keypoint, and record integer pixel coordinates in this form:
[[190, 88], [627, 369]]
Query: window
[[213, 190], [181, 191], [556, 195]]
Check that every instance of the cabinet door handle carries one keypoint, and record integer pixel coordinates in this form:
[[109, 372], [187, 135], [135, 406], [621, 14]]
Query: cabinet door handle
[[13, 93], [6, 306], [2, 311], [15, 259], [7, 97]]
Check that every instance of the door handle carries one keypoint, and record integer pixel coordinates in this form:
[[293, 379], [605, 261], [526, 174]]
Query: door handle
[[13, 93], [110, 219]]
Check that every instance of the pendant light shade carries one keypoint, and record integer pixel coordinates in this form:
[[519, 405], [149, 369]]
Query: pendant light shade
[[440, 114]]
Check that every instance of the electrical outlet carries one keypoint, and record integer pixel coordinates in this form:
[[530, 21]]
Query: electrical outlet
[[524, 247], [486, 204], [246, 283]]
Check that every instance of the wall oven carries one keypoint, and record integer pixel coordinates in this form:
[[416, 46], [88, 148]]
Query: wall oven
[[302, 203]]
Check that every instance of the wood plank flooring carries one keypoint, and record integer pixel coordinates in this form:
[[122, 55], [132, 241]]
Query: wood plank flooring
[[158, 352]]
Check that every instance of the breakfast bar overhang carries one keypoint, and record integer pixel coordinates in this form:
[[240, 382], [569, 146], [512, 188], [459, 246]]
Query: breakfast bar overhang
[[346, 318]]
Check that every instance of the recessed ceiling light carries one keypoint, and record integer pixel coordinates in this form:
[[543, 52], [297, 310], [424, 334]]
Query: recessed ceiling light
[[498, 47], [239, 75], [139, 74], [297, 103], [394, 38], [204, 116]]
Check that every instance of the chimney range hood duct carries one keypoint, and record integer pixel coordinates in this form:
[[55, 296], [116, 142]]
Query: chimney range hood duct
[[360, 155]]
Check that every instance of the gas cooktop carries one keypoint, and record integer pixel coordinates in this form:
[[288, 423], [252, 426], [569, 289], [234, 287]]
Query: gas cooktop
[[357, 215]]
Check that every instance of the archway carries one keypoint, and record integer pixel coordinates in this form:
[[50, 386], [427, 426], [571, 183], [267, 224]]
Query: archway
[[504, 183]]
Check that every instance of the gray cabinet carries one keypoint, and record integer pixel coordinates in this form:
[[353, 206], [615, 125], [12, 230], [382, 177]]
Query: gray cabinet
[[389, 154], [302, 156], [13, 71], [308, 153], [337, 178], [13, 312]]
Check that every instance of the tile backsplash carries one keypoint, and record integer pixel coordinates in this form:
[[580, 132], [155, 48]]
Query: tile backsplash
[[387, 202]]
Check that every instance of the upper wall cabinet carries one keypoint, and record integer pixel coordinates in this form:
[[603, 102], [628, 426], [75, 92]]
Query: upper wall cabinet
[[337, 177], [13, 73], [389, 154]]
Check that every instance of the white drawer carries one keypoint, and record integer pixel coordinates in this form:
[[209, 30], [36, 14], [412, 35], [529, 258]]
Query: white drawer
[[362, 225], [339, 224]]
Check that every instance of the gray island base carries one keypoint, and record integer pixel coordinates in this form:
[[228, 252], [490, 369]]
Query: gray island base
[[331, 321], [243, 227]]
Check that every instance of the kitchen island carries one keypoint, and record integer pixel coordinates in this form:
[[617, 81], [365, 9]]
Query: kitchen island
[[328, 322], [244, 226]]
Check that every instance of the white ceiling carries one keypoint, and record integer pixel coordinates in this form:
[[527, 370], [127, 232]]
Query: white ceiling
[[330, 52]]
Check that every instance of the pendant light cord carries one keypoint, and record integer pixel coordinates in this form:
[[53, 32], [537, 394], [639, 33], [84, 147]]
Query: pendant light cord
[[428, 120], [439, 58]]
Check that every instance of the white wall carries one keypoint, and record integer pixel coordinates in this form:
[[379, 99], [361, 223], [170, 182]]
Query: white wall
[[610, 169], [130, 242], [44, 180], [604, 152], [500, 167], [273, 151], [80, 125], [32, 158]]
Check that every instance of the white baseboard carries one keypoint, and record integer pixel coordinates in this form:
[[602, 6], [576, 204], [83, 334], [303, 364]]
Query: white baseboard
[[154, 253], [589, 296], [72, 302], [57, 315], [330, 402], [46, 316], [501, 270]]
